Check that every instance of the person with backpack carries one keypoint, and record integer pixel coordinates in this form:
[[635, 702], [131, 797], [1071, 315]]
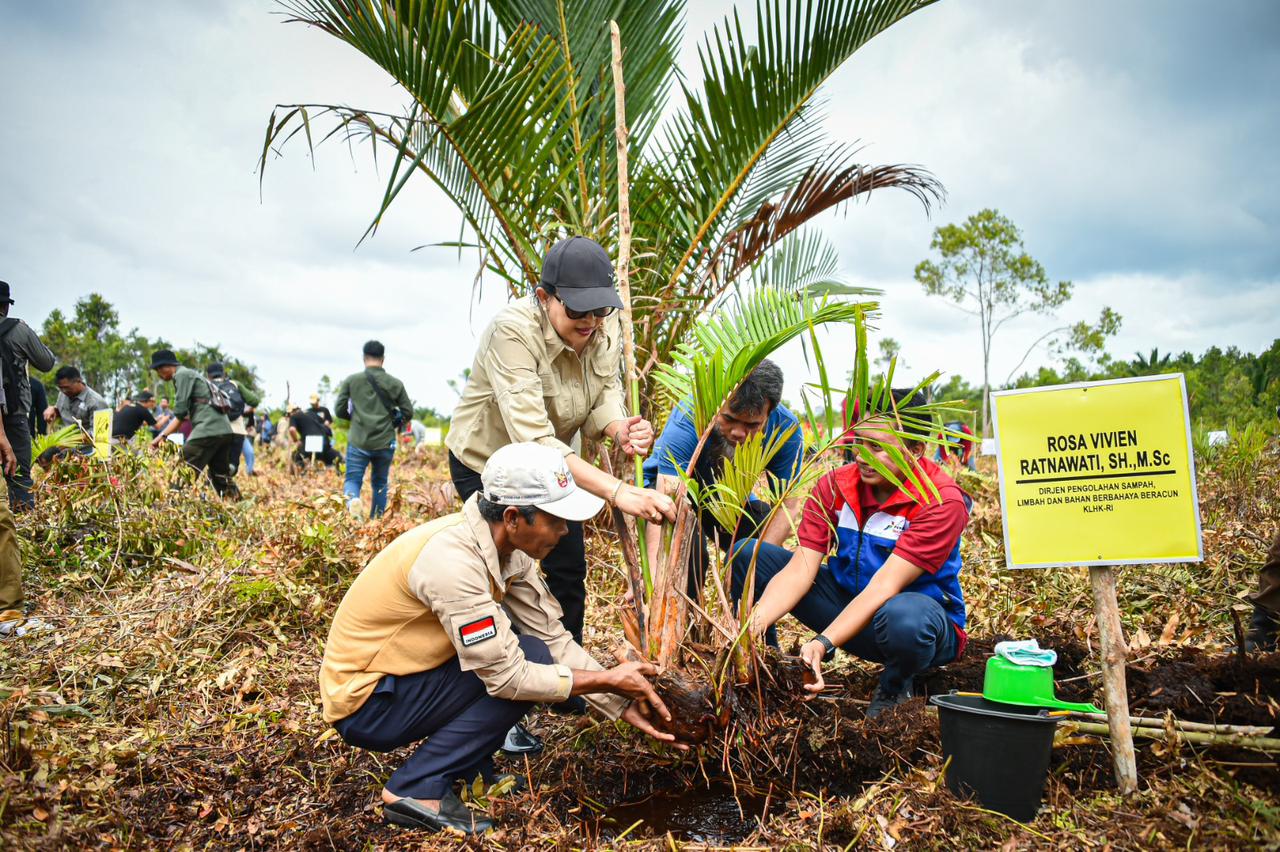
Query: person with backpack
[[378, 407], [244, 400], [212, 446], [19, 346]]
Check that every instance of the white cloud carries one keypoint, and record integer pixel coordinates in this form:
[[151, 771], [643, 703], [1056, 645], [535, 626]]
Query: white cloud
[[130, 144]]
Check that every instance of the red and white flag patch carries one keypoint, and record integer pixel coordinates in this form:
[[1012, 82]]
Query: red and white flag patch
[[478, 631]]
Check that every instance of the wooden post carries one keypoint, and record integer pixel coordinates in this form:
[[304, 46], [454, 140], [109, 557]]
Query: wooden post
[[624, 271], [1102, 579]]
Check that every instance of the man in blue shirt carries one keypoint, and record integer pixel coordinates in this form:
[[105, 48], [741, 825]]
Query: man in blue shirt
[[756, 406]]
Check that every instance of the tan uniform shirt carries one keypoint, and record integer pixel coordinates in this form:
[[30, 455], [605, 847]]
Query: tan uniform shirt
[[527, 385], [439, 591]]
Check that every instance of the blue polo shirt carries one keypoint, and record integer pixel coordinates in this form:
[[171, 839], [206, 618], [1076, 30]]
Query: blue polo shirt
[[679, 438]]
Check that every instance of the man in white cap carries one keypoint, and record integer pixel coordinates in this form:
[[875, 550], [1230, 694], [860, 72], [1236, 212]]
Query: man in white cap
[[422, 645]]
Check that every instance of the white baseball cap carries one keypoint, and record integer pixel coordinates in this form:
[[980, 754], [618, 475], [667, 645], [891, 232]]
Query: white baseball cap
[[533, 475]]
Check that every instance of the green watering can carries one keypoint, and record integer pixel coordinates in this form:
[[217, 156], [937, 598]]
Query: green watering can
[[1026, 686]]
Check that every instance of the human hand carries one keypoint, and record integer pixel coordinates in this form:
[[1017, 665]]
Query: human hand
[[634, 435], [812, 653], [645, 503], [50, 413], [630, 679], [637, 716], [8, 459]]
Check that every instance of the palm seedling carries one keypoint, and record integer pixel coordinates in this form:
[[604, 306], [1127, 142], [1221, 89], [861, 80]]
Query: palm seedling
[[663, 622]]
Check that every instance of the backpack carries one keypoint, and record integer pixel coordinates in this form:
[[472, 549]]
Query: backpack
[[225, 398], [14, 366]]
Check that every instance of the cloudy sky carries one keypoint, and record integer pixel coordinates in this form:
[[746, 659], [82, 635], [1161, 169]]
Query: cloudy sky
[[1134, 144]]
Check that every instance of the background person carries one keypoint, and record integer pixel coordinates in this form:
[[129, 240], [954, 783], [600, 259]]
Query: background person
[[39, 402], [211, 445], [957, 451], [304, 425], [243, 402], [423, 645], [756, 407], [378, 406], [26, 400], [76, 405], [325, 415], [13, 618], [127, 421], [890, 593]]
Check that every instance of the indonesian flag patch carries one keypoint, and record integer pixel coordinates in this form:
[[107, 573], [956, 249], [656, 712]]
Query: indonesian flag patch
[[478, 631]]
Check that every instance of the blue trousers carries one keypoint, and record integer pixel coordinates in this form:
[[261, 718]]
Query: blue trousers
[[908, 634], [463, 724], [380, 463], [248, 455]]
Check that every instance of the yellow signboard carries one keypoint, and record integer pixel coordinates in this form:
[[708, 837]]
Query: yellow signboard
[[1097, 473], [102, 433]]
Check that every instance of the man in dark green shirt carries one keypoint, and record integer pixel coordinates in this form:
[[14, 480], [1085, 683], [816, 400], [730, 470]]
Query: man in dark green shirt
[[212, 445], [376, 404]]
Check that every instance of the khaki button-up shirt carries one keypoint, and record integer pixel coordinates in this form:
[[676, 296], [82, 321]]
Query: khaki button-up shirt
[[527, 385], [440, 591]]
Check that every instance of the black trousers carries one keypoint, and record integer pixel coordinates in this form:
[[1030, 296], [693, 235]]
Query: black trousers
[[17, 427], [216, 454], [750, 525], [565, 567]]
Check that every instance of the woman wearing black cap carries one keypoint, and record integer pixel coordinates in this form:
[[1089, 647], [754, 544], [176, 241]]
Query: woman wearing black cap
[[546, 369]]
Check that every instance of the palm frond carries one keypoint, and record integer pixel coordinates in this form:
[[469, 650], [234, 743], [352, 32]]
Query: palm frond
[[726, 497], [803, 262], [723, 350], [754, 94], [64, 438], [492, 117]]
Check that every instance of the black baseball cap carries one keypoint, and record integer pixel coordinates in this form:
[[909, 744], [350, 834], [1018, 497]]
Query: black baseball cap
[[4, 293], [215, 370], [580, 271]]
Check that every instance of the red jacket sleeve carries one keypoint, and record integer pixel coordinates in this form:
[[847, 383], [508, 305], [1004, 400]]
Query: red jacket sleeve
[[821, 511], [933, 534]]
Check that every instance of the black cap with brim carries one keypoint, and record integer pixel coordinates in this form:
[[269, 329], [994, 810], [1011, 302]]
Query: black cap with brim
[[163, 358], [580, 271]]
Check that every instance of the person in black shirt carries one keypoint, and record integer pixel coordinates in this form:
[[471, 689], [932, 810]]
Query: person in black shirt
[[39, 402], [307, 424], [326, 416], [126, 422]]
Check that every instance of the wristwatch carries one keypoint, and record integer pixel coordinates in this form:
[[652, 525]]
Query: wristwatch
[[826, 643]]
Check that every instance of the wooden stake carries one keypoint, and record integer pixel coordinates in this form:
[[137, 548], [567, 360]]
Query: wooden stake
[[624, 271], [1107, 609], [1265, 744]]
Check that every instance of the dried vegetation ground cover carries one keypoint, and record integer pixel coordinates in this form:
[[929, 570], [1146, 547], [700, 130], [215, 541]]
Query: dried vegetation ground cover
[[175, 706]]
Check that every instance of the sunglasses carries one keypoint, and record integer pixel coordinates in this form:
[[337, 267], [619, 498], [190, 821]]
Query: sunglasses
[[577, 315]]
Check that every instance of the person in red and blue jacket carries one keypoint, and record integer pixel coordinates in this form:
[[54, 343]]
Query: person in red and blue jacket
[[890, 593]]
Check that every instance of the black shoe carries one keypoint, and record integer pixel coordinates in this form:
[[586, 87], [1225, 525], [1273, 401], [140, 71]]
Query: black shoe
[[452, 814], [1263, 627], [575, 705], [883, 701], [520, 740]]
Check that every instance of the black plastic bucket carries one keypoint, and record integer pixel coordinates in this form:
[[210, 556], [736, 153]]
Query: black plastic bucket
[[999, 752]]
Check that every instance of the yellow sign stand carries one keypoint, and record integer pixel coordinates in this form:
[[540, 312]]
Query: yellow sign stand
[[102, 434], [1100, 474]]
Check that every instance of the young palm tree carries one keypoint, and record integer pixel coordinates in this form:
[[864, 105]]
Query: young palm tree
[[510, 112]]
